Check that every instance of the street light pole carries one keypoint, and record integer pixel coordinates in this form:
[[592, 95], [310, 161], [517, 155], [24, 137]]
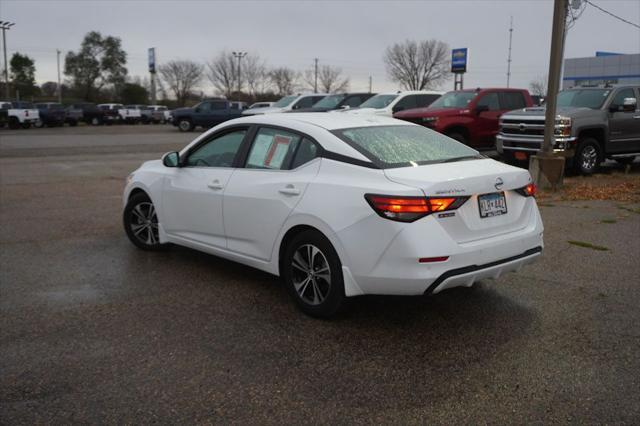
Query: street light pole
[[239, 56], [5, 25], [59, 86]]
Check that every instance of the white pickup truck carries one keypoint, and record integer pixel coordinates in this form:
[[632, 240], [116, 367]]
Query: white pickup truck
[[117, 113], [19, 114]]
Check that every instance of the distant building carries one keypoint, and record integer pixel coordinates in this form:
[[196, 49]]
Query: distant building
[[604, 68]]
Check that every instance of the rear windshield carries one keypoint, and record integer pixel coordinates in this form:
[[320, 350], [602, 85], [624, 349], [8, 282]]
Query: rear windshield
[[404, 146], [378, 101]]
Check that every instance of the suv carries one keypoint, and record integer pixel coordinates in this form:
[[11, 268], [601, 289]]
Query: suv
[[390, 103], [207, 113], [288, 103], [592, 123], [469, 116]]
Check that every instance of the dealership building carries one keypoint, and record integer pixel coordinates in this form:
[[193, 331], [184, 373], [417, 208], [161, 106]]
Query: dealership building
[[604, 68]]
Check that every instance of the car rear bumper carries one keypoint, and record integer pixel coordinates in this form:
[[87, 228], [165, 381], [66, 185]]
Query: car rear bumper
[[392, 264]]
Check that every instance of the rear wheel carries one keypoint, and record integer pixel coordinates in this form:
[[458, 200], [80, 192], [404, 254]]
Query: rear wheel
[[38, 124], [458, 136], [141, 223], [26, 125], [312, 273], [95, 121], [588, 156], [185, 125]]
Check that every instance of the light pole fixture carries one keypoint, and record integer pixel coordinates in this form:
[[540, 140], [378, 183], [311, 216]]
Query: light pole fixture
[[6, 25], [239, 56]]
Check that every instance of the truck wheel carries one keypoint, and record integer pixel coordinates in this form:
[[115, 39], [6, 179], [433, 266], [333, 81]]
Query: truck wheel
[[458, 136], [73, 123], [14, 123], [588, 156], [38, 124], [95, 121], [185, 125], [25, 125]]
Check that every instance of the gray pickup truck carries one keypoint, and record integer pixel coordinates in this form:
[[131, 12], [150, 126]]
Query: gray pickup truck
[[592, 124]]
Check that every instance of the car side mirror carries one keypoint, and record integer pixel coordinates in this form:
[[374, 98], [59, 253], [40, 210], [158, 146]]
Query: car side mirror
[[629, 104], [171, 159], [481, 108]]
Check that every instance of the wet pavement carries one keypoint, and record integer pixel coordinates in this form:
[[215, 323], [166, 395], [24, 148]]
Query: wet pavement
[[93, 330]]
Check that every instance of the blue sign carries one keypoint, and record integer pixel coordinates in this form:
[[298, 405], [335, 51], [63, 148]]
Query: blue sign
[[459, 60]]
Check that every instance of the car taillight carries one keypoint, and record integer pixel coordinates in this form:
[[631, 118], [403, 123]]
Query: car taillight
[[528, 191], [409, 209]]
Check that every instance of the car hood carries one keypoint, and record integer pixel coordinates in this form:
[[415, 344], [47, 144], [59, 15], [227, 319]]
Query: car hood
[[429, 112], [365, 111], [320, 109], [540, 111], [182, 110]]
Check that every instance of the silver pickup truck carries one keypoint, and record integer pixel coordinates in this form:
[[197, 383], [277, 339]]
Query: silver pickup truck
[[592, 124]]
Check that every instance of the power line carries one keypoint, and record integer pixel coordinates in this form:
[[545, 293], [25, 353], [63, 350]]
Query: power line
[[611, 14]]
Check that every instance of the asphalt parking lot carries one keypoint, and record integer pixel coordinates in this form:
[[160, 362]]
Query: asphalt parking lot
[[93, 330]]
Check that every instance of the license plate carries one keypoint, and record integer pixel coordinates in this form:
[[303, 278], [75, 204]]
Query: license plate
[[521, 156], [492, 205]]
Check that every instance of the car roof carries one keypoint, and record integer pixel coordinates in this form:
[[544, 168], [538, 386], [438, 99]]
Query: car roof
[[412, 92], [328, 121]]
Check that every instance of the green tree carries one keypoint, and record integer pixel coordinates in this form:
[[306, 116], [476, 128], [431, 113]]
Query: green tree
[[133, 93], [23, 74], [100, 62]]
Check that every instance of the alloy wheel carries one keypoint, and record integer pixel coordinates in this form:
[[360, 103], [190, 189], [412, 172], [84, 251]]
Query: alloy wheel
[[144, 223], [311, 274], [589, 157], [185, 125]]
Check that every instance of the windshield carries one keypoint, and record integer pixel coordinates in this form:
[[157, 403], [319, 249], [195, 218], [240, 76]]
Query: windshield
[[403, 146], [453, 100], [285, 101], [330, 101], [583, 98], [378, 101]]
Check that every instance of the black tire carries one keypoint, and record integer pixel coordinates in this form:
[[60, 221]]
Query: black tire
[[25, 125], [141, 223], [73, 123], [316, 294], [625, 160], [588, 156], [458, 136], [185, 125], [14, 124], [96, 121], [39, 124]]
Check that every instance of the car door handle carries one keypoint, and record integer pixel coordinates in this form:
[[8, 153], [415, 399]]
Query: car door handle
[[215, 184], [289, 190]]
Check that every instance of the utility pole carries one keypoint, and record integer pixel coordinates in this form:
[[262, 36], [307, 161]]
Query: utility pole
[[509, 58], [6, 25], [547, 169], [315, 84], [239, 56], [370, 83], [59, 86], [151, 52]]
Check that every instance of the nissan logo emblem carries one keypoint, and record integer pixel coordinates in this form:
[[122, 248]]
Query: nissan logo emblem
[[499, 183]]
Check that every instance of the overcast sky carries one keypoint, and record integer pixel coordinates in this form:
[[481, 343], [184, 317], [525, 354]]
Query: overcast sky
[[349, 34]]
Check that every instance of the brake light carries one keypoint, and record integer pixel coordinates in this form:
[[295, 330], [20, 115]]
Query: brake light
[[528, 191], [409, 209]]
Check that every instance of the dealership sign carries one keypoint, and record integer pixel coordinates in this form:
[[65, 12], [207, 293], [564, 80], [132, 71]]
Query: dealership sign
[[459, 60], [152, 60]]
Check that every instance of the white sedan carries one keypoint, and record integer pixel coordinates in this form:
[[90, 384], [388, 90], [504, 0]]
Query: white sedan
[[339, 205]]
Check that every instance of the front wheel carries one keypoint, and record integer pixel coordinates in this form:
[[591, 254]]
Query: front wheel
[[185, 125], [141, 223], [588, 156], [26, 125], [38, 124], [312, 273], [95, 121]]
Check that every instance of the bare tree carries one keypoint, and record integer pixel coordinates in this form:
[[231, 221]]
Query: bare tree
[[222, 73], [255, 73], [538, 86], [418, 65], [284, 80], [330, 79], [181, 77]]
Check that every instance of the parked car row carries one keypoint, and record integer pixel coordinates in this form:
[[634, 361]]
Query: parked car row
[[51, 114]]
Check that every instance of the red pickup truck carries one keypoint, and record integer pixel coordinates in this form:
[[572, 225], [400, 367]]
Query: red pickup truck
[[469, 116]]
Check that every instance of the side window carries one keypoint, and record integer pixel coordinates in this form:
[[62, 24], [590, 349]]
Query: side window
[[217, 152], [304, 102], [490, 100], [407, 102], [512, 100], [218, 106], [426, 100], [306, 152], [272, 149], [353, 101], [618, 99], [204, 107]]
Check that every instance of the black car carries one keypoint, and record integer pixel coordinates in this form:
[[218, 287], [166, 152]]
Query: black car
[[207, 113], [51, 114], [91, 114], [338, 101]]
